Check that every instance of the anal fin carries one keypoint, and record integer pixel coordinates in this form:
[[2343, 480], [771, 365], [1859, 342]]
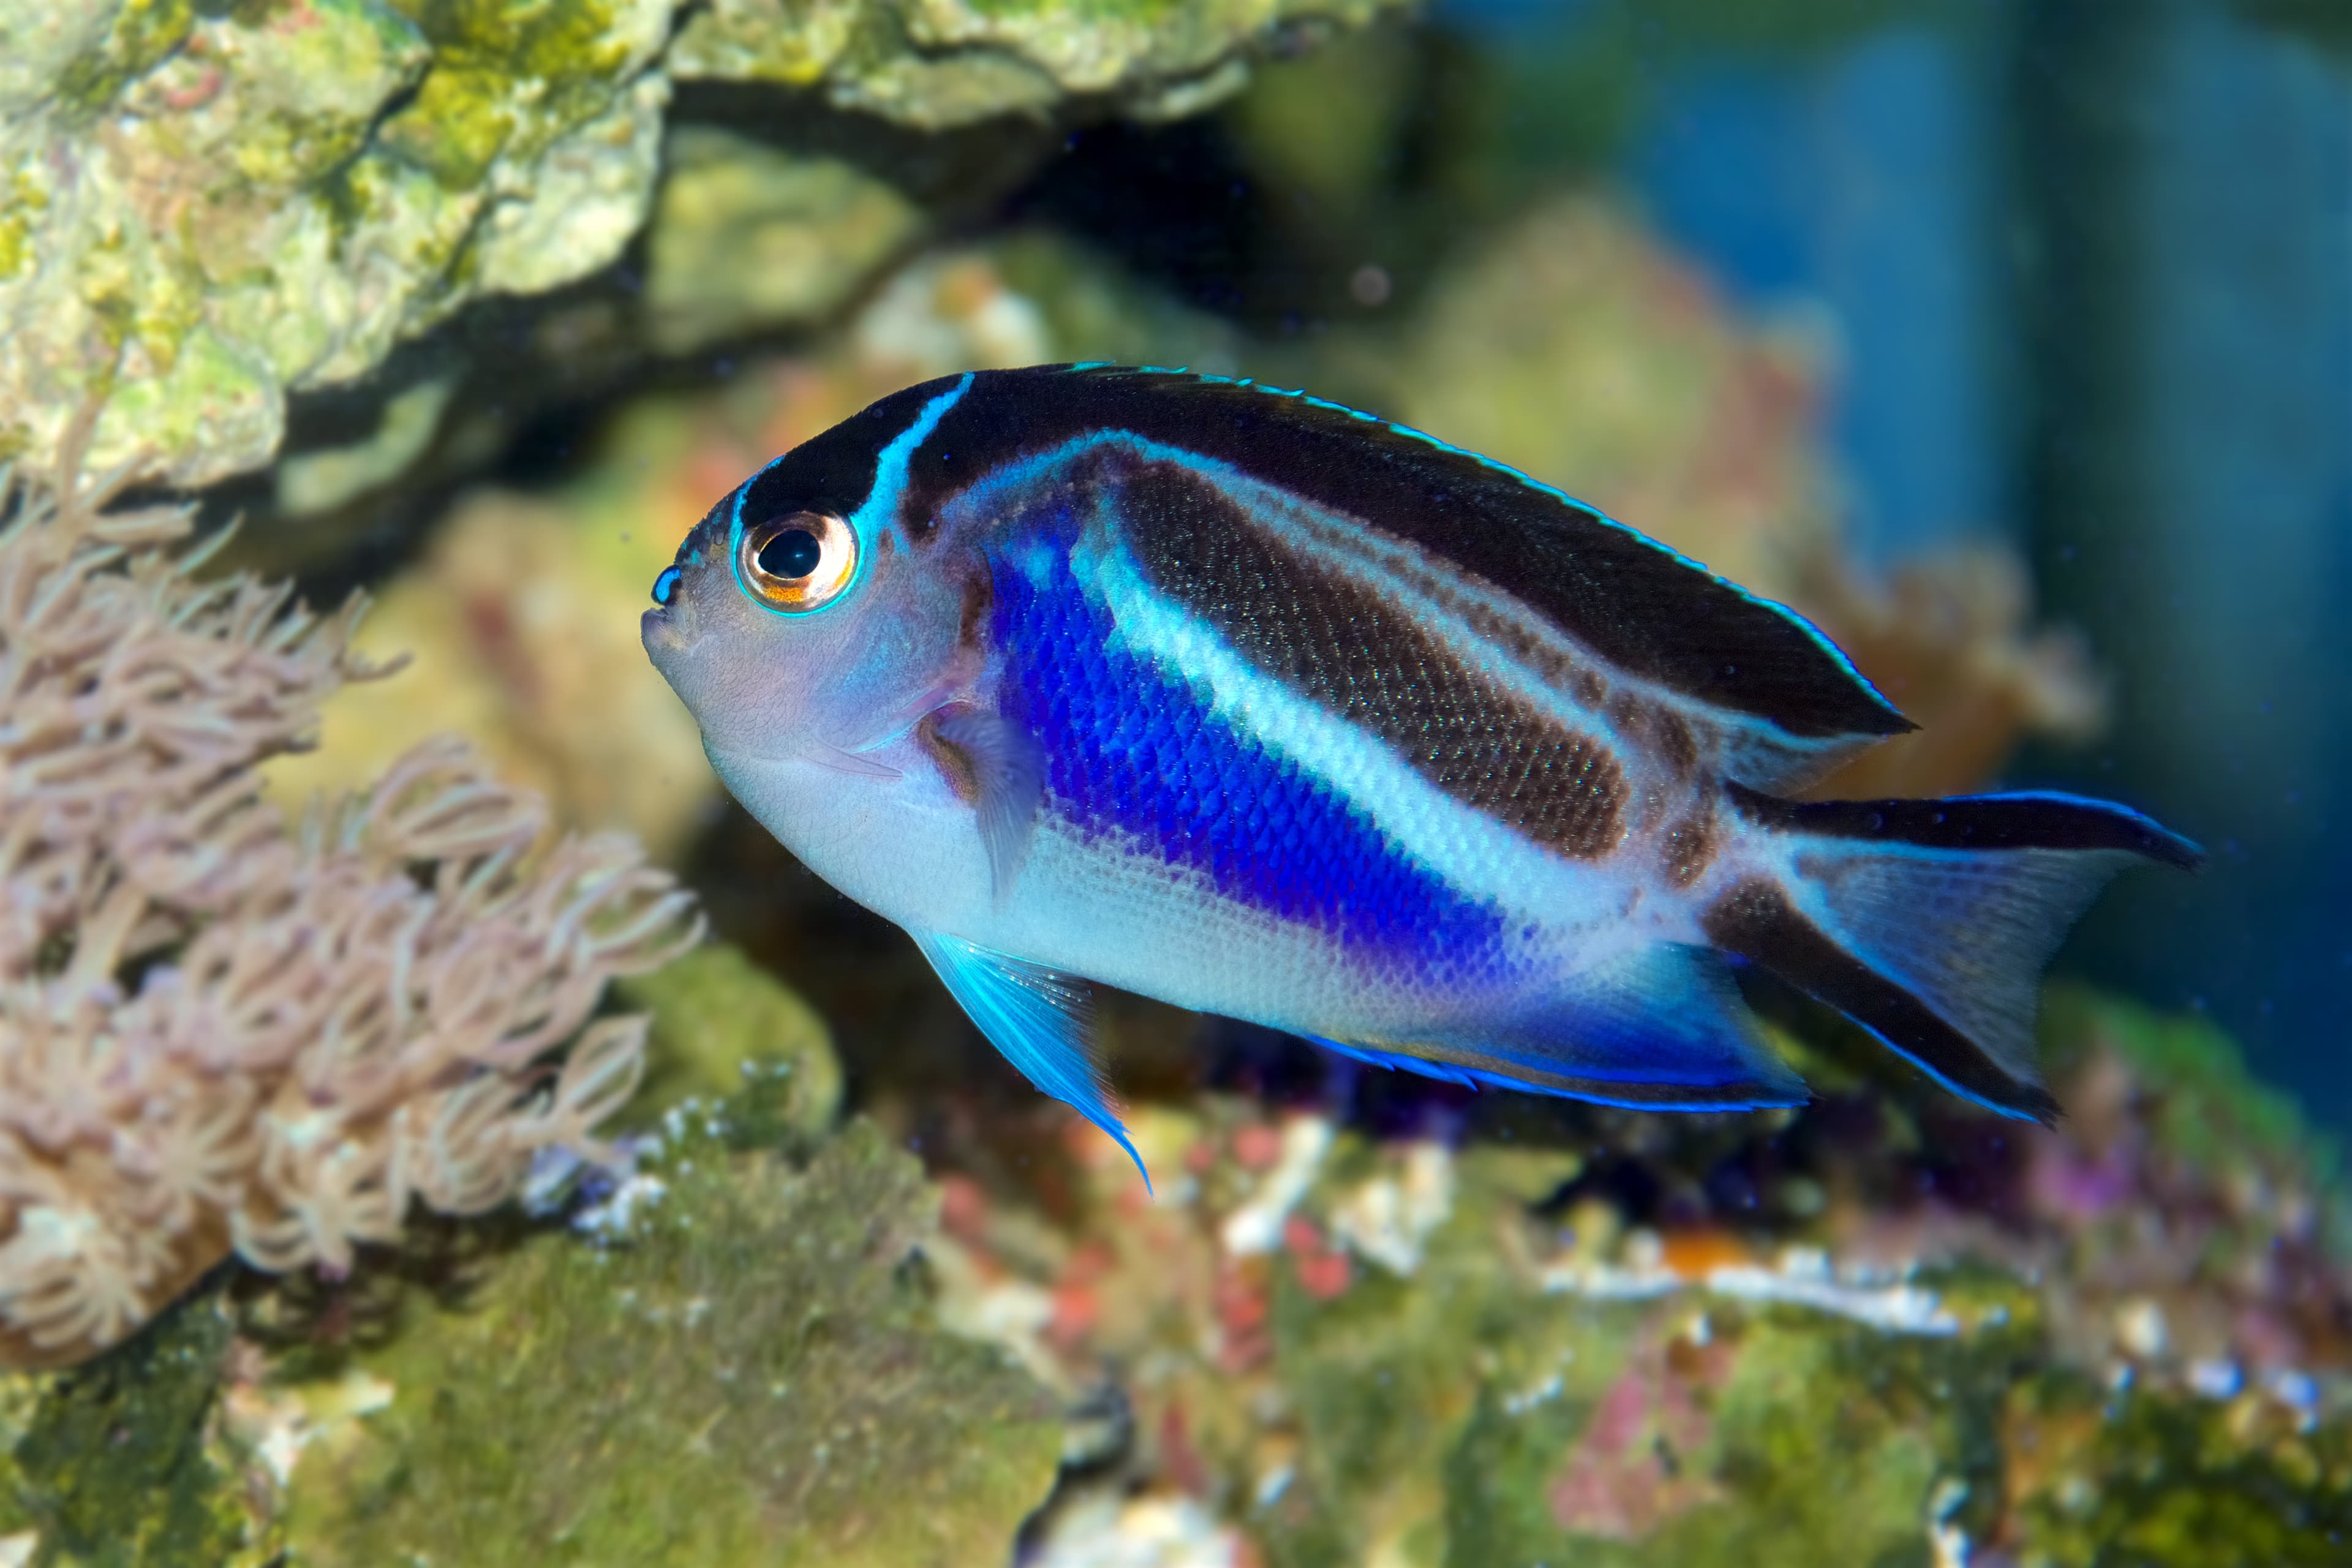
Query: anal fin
[[1659, 1028], [1040, 1020]]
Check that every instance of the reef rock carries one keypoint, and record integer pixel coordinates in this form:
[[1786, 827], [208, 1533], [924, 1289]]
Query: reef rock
[[748, 237], [206, 209], [937, 63], [210, 209]]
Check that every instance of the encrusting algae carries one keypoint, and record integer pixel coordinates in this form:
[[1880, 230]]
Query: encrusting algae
[[222, 1031]]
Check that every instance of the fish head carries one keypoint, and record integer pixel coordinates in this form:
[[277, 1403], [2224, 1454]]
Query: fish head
[[798, 619]]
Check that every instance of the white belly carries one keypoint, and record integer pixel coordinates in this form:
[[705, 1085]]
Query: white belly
[[910, 850]]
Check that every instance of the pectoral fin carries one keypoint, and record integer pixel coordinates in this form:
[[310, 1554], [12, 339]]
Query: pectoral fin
[[1002, 767], [1040, 1020]]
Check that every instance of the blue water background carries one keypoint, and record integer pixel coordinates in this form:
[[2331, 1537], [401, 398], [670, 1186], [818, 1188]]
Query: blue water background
[[2144, 381]]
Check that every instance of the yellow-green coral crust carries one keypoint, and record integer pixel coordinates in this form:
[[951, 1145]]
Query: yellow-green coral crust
[[749, 1376]]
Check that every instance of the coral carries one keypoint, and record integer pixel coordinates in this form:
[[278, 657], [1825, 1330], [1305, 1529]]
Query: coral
[[937, 63], [223, 1032], [747, 1373]]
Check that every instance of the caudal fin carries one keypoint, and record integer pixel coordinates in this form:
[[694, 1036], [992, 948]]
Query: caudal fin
[[1928, 922]]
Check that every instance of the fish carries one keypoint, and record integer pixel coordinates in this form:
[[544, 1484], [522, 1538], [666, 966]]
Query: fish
[[1269, 707]]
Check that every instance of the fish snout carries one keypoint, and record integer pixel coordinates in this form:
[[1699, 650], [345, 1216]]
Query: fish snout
[[665, 634]]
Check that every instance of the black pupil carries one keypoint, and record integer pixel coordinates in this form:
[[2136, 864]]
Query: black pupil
[[792, 553]]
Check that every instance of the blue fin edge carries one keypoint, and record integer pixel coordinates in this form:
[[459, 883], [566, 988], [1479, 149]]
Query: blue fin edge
[[1037, 1018], [1476, 1077]]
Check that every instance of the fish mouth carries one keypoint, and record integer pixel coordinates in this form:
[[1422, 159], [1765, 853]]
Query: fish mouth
[[661, 633]]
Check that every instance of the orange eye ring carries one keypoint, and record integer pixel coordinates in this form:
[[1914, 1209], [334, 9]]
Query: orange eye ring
[[797, 563]]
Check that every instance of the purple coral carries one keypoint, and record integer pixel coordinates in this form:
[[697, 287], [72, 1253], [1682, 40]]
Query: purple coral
[[224, 1030]]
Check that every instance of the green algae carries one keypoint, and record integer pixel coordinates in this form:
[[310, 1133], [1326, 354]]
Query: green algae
[[1473, 1411], [722, 1028], [143, 33], [1558, 1429], [748, 1375], [113, 1467], [468, 111], [2159, 1481]]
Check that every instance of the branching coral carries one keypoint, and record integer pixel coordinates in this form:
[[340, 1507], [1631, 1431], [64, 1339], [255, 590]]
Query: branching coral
[[224, 1030]]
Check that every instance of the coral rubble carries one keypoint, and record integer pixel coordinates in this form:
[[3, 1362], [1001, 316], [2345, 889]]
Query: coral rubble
[[221, 1031], [1883, 1329]]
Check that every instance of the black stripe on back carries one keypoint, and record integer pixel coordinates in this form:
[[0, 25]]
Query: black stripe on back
[[1972, 823], [1632, 601], [1756, 922], [1363, 658]]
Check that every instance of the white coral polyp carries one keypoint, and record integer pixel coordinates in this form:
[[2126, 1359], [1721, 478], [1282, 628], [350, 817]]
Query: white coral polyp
[[219, 1030]]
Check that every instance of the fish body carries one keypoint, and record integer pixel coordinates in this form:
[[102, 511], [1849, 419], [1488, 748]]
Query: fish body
[[1268, 707]]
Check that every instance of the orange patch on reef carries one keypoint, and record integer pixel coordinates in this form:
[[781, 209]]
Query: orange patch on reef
[[1076, 1309], [1696, 1254]]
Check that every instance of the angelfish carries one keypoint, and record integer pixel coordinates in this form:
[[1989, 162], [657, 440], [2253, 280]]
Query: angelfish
[[1268, 707]]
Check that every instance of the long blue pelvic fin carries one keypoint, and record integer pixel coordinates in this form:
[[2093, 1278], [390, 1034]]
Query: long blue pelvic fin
[[1659, 1028], [1007, 769], [1041, 1020]]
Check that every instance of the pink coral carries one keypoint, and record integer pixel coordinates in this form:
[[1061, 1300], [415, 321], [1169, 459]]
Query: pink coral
[[224, 1031]]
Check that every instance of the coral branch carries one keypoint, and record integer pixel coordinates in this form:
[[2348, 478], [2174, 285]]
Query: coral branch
[[221, 1031]]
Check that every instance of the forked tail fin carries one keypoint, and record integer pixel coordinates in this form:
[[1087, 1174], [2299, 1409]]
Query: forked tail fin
[[1928, 922]]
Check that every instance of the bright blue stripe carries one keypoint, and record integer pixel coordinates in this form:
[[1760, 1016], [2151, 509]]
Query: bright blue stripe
[[1130, 748]]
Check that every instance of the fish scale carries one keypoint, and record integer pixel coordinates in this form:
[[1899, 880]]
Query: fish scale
[[1133, 751]]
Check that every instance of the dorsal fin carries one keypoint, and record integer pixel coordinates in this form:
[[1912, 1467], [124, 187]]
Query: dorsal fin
[[1650, 613]]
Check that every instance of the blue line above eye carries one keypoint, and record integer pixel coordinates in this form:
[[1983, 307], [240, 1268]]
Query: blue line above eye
[[666, 585]]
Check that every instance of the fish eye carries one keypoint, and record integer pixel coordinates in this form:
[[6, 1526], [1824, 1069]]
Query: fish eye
[[799, 561]]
